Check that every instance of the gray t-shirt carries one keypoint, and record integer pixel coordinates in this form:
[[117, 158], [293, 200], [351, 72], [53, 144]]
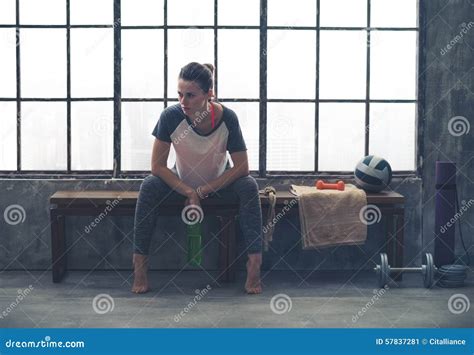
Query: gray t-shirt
[[200, 158]]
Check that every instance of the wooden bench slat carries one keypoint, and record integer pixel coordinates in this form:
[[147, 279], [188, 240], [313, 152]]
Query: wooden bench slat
[[93, 197], [73, 198]]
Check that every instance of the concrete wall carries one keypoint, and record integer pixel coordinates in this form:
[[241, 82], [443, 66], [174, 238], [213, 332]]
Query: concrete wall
[[447, 93], [27, 244]]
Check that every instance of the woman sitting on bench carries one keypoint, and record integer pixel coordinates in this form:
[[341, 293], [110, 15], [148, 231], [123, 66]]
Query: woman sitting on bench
[[202, 131]]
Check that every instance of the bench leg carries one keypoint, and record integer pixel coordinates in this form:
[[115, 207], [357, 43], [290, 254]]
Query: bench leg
[[227, 249], [399, 236], [391, 243], [223, 245], [232, 250], [58, 246], [389, 223]]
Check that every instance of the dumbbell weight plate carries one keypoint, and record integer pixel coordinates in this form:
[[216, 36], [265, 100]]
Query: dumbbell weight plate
[[428, 274], [383, 270]]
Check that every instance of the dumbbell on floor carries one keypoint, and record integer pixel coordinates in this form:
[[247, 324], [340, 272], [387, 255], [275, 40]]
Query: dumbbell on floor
[[427, 270]]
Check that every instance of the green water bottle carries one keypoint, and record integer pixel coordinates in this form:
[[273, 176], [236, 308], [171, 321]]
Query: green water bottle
[[194, 243]]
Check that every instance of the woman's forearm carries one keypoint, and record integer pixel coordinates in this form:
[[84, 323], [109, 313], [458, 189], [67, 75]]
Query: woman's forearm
[[228, 177], [173, 181]]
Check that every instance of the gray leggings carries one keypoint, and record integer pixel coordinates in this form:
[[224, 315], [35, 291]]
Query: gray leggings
[[153, 191]]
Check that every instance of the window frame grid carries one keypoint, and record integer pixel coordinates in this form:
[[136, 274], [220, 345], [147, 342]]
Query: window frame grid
[[262, 171]]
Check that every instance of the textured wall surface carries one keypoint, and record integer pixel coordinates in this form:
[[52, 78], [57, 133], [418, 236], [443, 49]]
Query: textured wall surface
[[27, 244], [446, 93], [448, 109]]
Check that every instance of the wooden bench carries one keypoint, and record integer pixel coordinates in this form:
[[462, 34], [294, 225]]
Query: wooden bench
[[93, 203]]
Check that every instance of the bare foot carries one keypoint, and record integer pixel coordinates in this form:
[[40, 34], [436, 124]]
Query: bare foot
[[140, 282], [253, 284]]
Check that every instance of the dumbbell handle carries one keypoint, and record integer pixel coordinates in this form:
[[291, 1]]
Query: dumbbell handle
[[402, 269], [405, 269]]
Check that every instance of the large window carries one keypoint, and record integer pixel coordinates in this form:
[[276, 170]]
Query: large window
[[316, 84]]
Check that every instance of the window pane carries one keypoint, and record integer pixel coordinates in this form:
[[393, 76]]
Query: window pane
[[392, 134], [291, 13], [343, 67], [191, 12], [238, 13], [248, 115], [393, 61], [32, 12], [138, 121], [142, 63], [241, 80], [92, 12], [341, 136], [8, 62], [8, 140], [290, 141], [187, 46], [393, 13], [142, 12], [43, 62], [343, 13], [291, 75], [92, 61], [43, 136], [92, 131], [7, 12]]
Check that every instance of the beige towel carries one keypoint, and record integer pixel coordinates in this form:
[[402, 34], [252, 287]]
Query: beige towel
[[331, 217]]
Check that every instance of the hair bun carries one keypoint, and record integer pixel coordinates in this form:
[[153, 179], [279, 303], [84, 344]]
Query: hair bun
[[202, 74], [210, 67]]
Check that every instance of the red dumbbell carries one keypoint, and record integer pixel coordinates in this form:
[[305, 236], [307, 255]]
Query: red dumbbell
[[321, 185]]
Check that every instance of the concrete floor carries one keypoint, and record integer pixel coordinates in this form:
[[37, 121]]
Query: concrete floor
[[321, 299]]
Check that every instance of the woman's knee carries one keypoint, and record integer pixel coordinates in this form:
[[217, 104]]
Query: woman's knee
[[152, 188], [152, 183], [246, 184]]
